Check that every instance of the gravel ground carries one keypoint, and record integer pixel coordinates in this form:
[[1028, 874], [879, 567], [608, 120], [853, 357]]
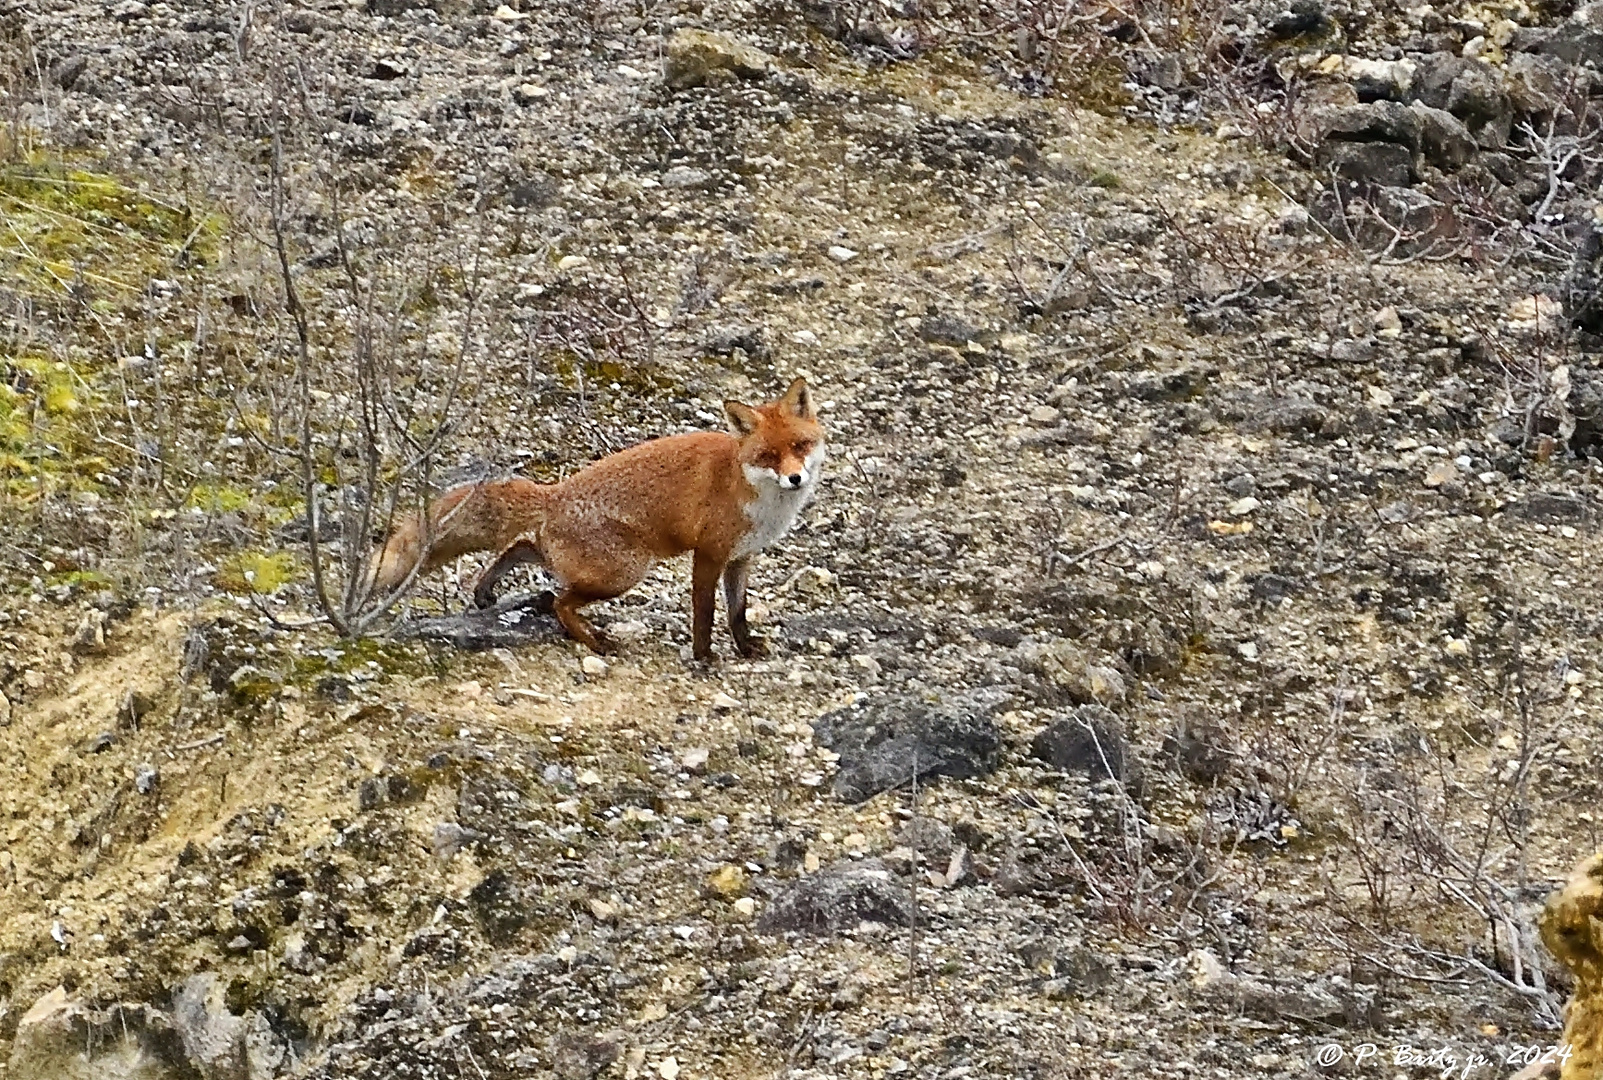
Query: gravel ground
[[1184, 662]]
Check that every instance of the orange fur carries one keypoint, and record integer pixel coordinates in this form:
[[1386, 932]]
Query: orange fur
[[722, 497]]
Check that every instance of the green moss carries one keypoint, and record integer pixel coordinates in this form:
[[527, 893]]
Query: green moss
[[392, 658], [257, 572], [1104, 178], [82, 243], [45, 439], [71, 231], [81, 580], [219, 498]]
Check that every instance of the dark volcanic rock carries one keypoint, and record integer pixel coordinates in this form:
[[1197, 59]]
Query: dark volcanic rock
[[1384, 163], [1443, 139], [520, 619], [839, 897], [1580, 39], [1090, 740], [887, 743], [1433, 79], [1378, 121]]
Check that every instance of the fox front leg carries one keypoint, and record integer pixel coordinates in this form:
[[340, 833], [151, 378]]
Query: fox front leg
[[520, 551], [736, 575]]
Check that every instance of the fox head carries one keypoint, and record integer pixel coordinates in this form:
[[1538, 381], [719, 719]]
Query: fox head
[[781, 443]]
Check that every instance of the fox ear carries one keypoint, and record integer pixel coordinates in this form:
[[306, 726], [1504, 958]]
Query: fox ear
[[799, 400], [742, 419]]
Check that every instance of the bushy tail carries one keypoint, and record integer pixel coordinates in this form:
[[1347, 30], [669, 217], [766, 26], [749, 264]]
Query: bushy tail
[[471, 517]]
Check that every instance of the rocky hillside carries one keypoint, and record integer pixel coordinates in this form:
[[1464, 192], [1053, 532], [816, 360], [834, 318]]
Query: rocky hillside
[[1187, 668]]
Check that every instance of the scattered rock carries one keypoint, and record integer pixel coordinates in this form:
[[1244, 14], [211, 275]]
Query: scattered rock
[[450, 838], [1386, 163], [213, 1037], [1091, 740], [889, 742], [839, 897], [695, 57], [727, 882], [930, 837]]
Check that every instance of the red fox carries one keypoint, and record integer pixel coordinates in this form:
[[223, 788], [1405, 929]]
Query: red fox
[[723, 497]]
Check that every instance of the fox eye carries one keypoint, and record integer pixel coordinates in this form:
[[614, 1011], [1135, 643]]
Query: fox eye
[[802, 449], [768, 460]]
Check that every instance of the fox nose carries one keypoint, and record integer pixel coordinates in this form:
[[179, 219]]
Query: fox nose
[[794, 479]]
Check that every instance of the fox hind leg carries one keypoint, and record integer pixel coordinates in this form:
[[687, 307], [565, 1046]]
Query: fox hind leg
[[591, 567], [566, 609]]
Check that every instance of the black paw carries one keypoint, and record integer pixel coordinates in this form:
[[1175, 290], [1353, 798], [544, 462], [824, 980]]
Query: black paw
[[753, 648]]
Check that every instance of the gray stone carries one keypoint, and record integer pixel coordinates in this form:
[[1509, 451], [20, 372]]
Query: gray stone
[[1578, 40], [213, 1037], [1443, 140], [1386, 163], [1377, 121], [1090, 740], [839, 897], [1538, 83], [886, 743]]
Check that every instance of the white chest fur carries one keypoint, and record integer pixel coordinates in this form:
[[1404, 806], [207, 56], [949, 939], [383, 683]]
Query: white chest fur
[[774, 510]]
